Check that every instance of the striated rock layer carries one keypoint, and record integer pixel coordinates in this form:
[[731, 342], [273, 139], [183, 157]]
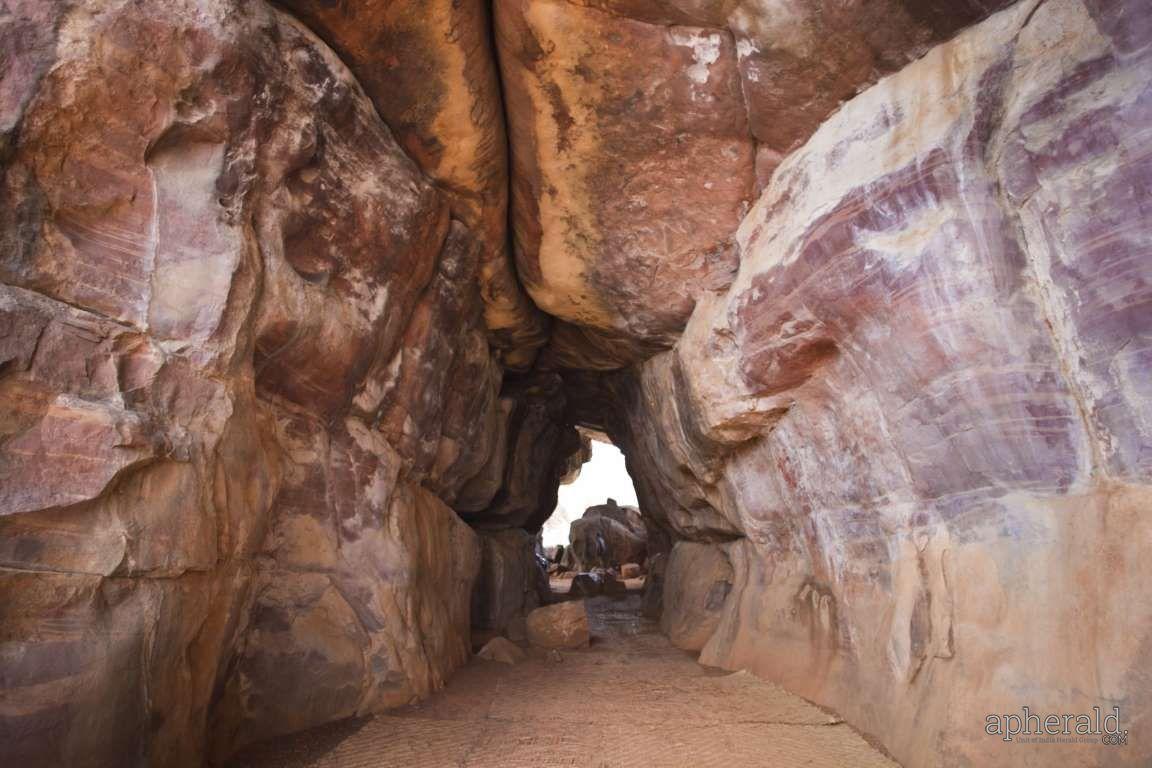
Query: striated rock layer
[[244, 377], [919, 423], [274, 280]]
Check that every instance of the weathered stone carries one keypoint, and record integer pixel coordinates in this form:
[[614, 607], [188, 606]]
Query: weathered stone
[[697, 581], [508, 585], [431, 73], [563, 625], [919, 411], [652, 600], [621, 111], [607, 536], [539, 443], [378, 622], [587, 585], [594, 99], [503, 650], [202, 297], [256, 311]]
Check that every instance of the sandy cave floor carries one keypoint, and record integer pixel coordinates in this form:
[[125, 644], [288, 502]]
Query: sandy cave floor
[[631, 699]]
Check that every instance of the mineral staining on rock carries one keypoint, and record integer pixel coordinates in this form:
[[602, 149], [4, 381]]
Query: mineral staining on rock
[[919, 417], [244, 368], [296, 327]]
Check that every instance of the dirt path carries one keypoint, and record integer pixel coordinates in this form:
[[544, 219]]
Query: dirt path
[[632, 699]]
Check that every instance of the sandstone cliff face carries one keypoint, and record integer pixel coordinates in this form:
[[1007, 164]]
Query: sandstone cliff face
[[288, 310], [922, 409], [244, 368]]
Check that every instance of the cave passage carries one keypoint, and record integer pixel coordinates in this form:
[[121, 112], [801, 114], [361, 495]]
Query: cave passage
[[631, 698], [614, 682], [312, 311]]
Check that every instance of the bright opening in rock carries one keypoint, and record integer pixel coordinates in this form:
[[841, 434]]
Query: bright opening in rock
[[602, 477]]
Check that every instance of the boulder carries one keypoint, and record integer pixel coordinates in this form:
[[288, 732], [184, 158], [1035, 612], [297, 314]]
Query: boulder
[[608, 535], [922, 411], [503, 650], [563, 625], [591, 584]]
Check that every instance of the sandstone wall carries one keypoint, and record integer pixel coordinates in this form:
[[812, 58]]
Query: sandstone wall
[[257, 307], [244, 371], [919, 423], [509, 584]]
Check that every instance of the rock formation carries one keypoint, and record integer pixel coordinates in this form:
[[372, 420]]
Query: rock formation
[[509, 583], [917, 422], [607, 536], [564, 625], [302, 306], [503, 650]]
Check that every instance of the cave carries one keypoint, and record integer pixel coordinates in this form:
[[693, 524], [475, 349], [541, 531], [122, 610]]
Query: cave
[[310, 308]]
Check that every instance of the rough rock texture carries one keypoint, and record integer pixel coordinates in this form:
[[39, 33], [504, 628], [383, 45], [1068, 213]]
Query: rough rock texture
[[652, 602], [265, 366], [920, 417], [375, 623], [431, 73], [508, 586], [608, 536], [594, 100], [537, 445], [564, 625], [622, 111], [243, 366], [595, 583], [697, 580]]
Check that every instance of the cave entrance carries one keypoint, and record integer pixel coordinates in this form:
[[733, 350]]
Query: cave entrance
[[596, 541]]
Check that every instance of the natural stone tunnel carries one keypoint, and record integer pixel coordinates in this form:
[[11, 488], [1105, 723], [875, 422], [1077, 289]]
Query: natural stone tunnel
[[302, 304]]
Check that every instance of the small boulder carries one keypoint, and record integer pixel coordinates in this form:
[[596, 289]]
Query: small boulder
[[630, 570], [564, 625], [503, 650]]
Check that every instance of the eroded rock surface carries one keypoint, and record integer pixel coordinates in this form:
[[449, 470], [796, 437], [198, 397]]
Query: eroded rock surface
[[244, 370], [919, 417], [431, 74], [274, 429], [696, 582], [641, 131], [510, 581], [607, 536]]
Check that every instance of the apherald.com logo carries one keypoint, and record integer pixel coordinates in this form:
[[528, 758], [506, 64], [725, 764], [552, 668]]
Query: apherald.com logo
[[1058, 728]]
